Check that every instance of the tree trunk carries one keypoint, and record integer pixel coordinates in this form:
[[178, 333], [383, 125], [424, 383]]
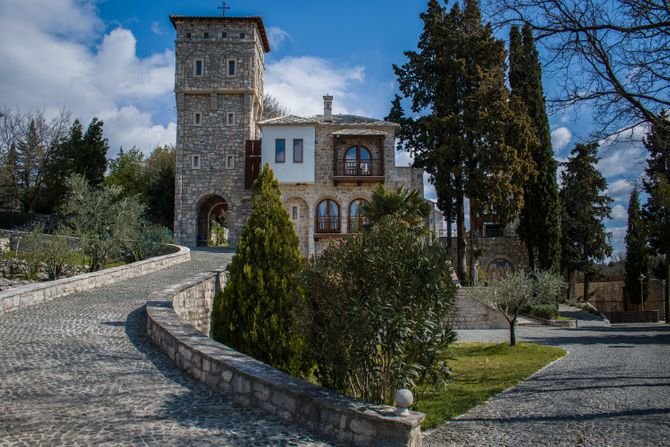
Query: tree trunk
[[572, 286], [531, 256], [587, 280], [666, 293], [473, 237], [449, 225], [460, 238], [512, 332]]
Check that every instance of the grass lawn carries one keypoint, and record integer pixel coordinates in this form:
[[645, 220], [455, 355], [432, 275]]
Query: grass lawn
[[561, 317], [480, 370]]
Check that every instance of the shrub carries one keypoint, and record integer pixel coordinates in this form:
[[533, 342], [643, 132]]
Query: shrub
[[255, 314], [376, 307], [546, 311]]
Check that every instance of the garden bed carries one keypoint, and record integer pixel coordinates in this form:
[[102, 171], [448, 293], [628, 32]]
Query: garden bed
[[479, 371]]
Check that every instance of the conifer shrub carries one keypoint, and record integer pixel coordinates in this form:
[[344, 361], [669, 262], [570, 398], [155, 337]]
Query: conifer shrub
[[376, 311], [256, 313]]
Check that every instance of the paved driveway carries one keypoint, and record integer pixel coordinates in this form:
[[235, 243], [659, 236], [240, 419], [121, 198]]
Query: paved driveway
[[612, 389], [79, 370]]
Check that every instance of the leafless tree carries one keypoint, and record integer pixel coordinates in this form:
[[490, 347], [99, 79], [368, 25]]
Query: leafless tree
[[26, 143], [614, 54], [272, 108]]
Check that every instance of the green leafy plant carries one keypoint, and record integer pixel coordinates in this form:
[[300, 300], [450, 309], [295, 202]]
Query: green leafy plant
[[376, 307]]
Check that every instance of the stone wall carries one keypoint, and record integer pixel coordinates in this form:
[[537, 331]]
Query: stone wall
[[257, 385], [472, 314], [24, 296], [608, 296]]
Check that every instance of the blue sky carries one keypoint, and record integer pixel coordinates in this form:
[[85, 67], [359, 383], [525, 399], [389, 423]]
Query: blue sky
[[114, 59]]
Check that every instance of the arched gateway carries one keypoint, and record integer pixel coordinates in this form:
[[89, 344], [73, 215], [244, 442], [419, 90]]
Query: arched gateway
[[212, 221]]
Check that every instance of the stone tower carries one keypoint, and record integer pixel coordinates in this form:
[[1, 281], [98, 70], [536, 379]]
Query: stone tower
[[219, 94]]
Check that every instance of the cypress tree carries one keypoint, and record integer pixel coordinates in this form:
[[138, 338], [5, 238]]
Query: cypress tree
[[656, 212], [584, 206], [636, 257], [540, 219], [255, 314]]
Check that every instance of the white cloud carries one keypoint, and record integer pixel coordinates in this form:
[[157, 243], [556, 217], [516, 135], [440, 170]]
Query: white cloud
[[156, 28], [54, 55], [620, 189], [428, 188], [618, 236], [299, 84], [560, 138], [277, 37], [619, 212], [622, 158]]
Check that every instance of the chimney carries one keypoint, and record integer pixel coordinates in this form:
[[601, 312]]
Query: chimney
[[328, 108]]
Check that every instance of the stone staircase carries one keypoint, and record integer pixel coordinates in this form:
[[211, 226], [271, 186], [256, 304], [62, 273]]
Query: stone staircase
[[472, 314]]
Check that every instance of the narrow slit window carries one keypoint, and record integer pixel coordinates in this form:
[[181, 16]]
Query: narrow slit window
[[230, 120], [199, 67], [206, 35], [188, 35], [224, 35], [297, 151], [196, 162], [294, 213], [232, 68], [198, 119], [242, 36], [280, 150], [230, 162]]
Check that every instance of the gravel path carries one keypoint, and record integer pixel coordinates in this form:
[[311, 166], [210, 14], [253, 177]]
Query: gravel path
[[79, 370], [612, 389]]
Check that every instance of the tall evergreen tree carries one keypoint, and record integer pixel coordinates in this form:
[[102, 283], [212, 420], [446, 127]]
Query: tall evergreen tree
[[637, 261], [656, 212], [472, 138], [255, 312], [540, 220], [584, 206]]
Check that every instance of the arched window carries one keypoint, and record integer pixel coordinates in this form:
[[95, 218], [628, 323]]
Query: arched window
[[358, 161], [328, 217], [355, 216]]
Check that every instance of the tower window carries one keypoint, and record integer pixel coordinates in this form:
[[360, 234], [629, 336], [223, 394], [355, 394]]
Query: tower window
[[280, 150], [195, 162], [294, 212], [188, 35], [230, 119], [242, 35], [224, 35], [232, 67], [230, 162], [197, 119], [198, 67], [206, 35]]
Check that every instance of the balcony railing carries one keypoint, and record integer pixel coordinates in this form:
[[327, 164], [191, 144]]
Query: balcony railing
[[359, 168], [327, 224]]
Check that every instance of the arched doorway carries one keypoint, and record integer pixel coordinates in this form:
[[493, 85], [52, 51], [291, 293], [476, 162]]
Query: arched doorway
[[213, 222]]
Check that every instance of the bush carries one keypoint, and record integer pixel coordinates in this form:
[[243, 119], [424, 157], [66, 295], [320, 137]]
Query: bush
[[149, 240], [255, 314], [546, 311], [376, 307]]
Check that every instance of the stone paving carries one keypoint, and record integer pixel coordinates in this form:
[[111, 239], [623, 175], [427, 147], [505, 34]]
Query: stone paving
[[79, 370], [612, 389]]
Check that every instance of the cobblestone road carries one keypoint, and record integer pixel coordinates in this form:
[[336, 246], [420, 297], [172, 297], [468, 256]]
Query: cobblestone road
[[79, 370], [612, 389]]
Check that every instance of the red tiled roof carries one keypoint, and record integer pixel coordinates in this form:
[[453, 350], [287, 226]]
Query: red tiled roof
[[255, 19]]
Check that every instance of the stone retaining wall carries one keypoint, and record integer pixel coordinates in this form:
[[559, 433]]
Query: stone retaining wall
[[24, 296], [472, 314], [257, 385]]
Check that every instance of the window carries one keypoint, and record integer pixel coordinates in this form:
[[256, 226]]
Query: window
[[356, 220], [357, 161], [297, 151], [230, 162], [197, 119], [199, 67], [188, 35], [195, 162], [328, 217], [231, 68], [242, 36], [206, 35], [230, 119], [294, 213], [224, 34], [280, 150]]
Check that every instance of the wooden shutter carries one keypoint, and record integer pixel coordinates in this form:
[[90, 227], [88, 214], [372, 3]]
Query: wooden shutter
[[252, 162]]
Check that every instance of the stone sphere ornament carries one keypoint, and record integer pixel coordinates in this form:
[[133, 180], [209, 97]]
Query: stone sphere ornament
[[404, 398]]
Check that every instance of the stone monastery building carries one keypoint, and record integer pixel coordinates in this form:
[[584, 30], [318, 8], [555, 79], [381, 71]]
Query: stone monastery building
[[326, 164]]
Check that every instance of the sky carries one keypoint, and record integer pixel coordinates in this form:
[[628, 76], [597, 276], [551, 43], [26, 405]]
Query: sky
[[114, 59]]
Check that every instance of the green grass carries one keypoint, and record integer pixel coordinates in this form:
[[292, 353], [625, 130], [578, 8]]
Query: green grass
[[561, 317], [480, 370], [74, 258]]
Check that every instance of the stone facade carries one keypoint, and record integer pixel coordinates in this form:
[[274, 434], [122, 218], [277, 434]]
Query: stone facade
[[217, 112]]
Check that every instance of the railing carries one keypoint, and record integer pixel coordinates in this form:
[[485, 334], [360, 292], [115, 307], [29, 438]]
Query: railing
[[328, 224], [359, 168]]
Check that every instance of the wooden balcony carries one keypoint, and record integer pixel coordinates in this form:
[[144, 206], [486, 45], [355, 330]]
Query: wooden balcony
[[359, 171]]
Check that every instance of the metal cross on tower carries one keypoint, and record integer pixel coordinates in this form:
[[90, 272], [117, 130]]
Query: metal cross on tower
[[223, 8]]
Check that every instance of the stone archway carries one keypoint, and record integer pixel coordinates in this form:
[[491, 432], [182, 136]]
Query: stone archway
[[213, 221]]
